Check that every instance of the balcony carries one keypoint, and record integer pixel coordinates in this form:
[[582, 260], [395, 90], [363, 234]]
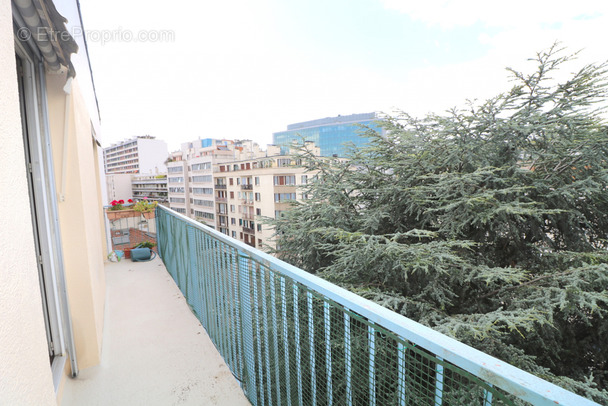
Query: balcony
[[220, 199], [287, 336], [293, 338], [221, 187], [248, 216], [246, 187], [248, 230], [155, 351], [247, 202]]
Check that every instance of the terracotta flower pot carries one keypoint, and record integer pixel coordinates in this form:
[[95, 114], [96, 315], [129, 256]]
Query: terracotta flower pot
[[127, 252]]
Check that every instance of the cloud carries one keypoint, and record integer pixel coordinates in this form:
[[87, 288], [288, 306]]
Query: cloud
[[514, 13]]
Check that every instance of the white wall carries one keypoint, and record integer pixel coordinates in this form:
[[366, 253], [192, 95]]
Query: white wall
[[25, 374], [118, 187], [152, 156]]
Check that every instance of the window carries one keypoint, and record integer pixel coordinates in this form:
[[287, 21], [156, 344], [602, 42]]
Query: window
[[175, 169], [176, 190], [233, 221], [206, 203], [232, 195], [231, 181], [232, 208], [205, 178], [177, 200], [257, 181], [278, 214], [43, 205], [204, 215], [283, 162], [259, 227], [285, 180], [258, 212], [258, 197], [179, 210], [282, 197], [176, 180], [304, 179], [234, 234], [203, 166], [202, 191]]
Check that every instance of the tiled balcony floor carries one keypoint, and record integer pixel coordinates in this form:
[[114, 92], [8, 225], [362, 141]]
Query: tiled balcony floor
[[155, 351]]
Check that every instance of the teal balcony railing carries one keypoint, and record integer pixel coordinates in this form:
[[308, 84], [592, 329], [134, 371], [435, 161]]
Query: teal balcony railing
[[292, 338]]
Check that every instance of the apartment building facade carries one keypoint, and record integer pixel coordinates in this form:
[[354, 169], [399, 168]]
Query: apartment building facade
[[249, 190], [190, 175], [151, 187], [138, 155]]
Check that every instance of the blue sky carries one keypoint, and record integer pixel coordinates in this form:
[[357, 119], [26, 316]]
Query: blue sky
[[242, 69]]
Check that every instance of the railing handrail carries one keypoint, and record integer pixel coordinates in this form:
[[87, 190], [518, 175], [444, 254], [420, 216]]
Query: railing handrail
[[492, 370]]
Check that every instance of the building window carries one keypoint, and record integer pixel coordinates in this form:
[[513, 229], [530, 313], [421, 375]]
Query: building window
[[233, 221], [232, 195], [232, 208], [205, 215], [258, 197], [203, 166], [304, 179], [259, 227], [234, 234], [258, 212], [202, 191], [257, 181], [282, 197], [231, 181], [283, 162], [285, 180], [206, 178]]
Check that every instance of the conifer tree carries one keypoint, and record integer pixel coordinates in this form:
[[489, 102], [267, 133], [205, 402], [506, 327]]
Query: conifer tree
[[488, 223]]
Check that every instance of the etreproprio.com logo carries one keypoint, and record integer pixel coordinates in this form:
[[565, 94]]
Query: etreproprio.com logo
[[101, 36]]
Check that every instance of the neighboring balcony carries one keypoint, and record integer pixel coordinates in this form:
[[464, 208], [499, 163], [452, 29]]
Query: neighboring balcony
[[286, 337], [246, 187], [220, 187]]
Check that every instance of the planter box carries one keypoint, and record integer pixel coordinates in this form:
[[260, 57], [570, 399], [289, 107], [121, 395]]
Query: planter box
[[121, 214]]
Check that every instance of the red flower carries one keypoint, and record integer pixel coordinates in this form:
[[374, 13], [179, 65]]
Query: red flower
[[130, 200], [113, 202], [121, 202]]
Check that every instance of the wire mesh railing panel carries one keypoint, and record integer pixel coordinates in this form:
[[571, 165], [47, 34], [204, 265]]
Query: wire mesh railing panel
[[293, 339]]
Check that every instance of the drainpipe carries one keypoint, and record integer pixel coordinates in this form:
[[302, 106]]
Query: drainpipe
[[67, 89], [69, 332]]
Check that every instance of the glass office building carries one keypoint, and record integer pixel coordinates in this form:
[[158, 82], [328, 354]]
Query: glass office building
[[333, 135]]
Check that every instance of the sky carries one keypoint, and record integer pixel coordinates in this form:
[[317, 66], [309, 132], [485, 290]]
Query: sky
[[242, 69]]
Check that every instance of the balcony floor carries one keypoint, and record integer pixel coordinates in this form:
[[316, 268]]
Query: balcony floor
[[155, 351]]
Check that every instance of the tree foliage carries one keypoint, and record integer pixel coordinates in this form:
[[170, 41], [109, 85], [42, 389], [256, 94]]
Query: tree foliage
[[488, 223]]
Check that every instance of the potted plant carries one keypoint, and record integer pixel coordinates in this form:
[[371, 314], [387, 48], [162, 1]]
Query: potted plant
[[117, 206], [146, 207]]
